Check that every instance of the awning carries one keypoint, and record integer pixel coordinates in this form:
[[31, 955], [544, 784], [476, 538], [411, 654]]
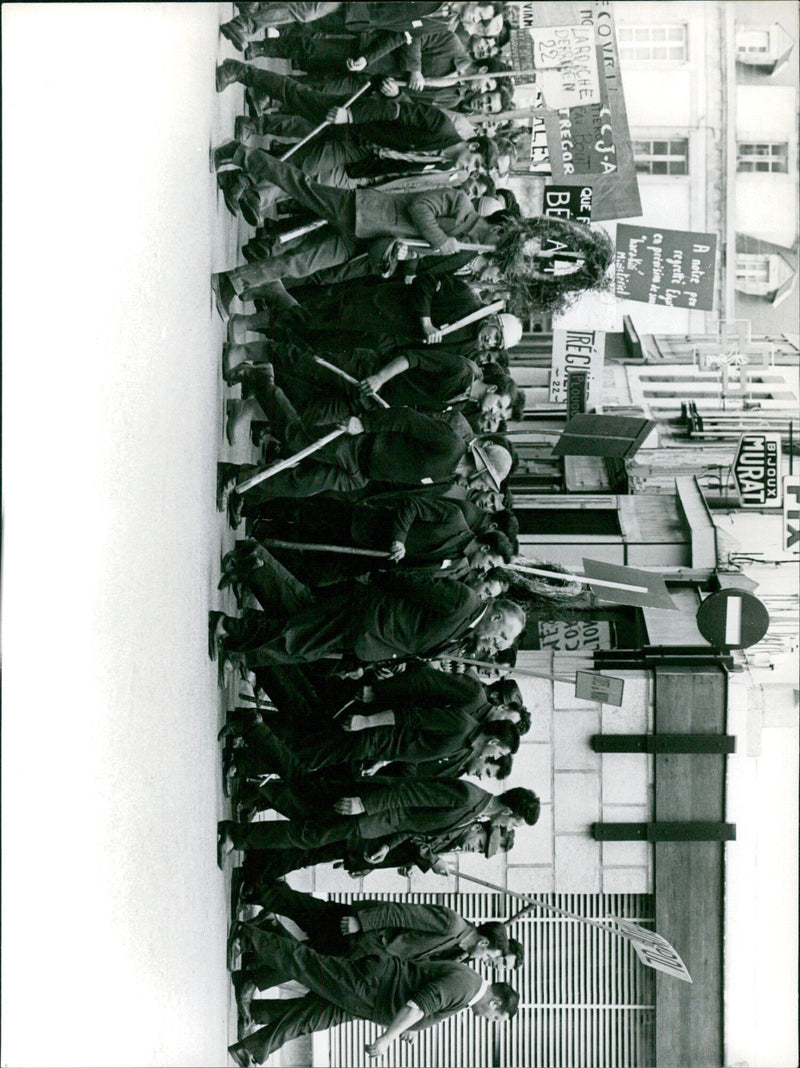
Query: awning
[[699, 524]]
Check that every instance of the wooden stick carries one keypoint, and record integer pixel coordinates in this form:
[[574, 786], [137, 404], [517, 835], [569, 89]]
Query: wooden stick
[[493, 666], [538, 903], [453, 79], [578, 578], [322, 125], [301, 231], [473, 317], [290, 461], [302, 546], [348, 378], [463, 246]]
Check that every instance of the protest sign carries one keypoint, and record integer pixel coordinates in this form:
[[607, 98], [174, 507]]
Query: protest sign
[[577, 350], [601, 688], [568, 202], [621, 584], [674, 268], [580, 636], [653, 950], [566, 60], [620, 436]]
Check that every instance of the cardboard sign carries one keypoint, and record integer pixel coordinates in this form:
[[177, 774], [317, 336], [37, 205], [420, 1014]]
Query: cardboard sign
[[653, 950], [566, 60], [565, 637], [568, 202], [619, 436], [757, 470], [577, 350], [577, 392], [631, 585], [601, 688], [674, 268], [791, 513]]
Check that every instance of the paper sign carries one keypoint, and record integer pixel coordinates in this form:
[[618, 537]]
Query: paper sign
[[653, 950], [601, 688], [650, 589], [673, 268], [577, 350], [757, 470], [566, 61], [569, 637]]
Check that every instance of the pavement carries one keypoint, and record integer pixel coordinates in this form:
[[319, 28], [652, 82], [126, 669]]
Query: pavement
[[114, 912]]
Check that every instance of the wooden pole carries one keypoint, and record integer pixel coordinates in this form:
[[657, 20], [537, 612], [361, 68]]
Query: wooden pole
[[451, 79], [473, 317], [301, 231], [348, 378], [302, 546], [577, 578], [537, 902], [322, 125], [290, 461], [492, 666]]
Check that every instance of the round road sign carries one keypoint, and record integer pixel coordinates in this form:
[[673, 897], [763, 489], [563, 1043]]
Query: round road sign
[[732, 619]]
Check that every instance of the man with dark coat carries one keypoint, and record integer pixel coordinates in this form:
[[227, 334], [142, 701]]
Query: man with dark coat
[[397, 994], [410, 807]]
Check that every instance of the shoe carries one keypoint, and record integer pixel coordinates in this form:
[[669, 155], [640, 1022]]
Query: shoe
[[242, 1056], [235, 506], [230, 770], [245, 990], [257, 103], [227, 477], [237, 31], [224, 293], [230, 363], [250, 207], [238, 935], [243, 128], [237, 328], [222, 154], [228, 72], [225, 843], [232, 185], [216, 632]]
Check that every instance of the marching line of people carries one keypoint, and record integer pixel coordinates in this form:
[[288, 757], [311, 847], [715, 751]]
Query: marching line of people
[[377, 615]]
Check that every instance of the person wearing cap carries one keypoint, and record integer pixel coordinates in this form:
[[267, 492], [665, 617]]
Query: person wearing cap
[[410, 806], [395, 446]]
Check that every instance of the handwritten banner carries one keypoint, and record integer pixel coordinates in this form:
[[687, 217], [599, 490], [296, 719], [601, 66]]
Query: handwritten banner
[[566, 59], [674, 268]]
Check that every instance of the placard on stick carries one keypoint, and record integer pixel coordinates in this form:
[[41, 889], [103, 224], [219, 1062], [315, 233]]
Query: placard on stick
[[619, 436], [674, 268], [653, 950], [566, 60], [604, 689], [645, 589]]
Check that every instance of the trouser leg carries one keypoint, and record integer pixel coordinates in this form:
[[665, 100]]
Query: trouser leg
[[291, 834], [297, 98], [319, 251], [350, 983], [282, 14], [335, 205], [288, 1019], [319, 919]]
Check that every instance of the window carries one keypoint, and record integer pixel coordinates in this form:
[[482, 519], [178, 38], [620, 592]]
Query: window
[[768, 156], [662, 157], [751, 40], [659, 44], [752, 269]]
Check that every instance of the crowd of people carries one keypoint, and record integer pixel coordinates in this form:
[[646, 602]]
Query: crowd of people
[[379, 608]]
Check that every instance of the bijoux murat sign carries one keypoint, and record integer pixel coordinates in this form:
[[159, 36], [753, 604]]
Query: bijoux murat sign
[[674, 268]]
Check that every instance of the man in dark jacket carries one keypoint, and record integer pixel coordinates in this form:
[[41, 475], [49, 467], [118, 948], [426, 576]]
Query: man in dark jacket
[[397, 994]]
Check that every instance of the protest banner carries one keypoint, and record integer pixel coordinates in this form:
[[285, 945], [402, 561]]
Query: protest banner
[[674, 268], [577, 350], [619, 436], [566, 59], [621, 584], [580, 636], [589, 144]]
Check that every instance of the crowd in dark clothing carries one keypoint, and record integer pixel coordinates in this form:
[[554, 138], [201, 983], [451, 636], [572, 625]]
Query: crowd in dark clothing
[[372, 575]]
